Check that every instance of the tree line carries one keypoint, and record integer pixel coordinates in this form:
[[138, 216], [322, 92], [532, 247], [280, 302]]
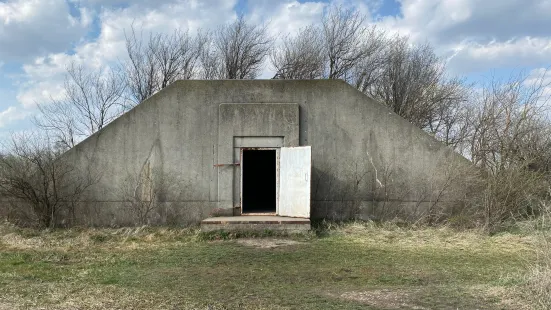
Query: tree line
[[409, 79], [501, 126]]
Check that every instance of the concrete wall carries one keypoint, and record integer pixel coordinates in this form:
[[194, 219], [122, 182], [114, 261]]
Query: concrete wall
[[367, 161]]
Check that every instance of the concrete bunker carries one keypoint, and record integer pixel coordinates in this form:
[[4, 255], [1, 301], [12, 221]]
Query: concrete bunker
[[338, 155]]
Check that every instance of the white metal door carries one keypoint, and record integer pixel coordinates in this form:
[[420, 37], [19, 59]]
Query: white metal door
[[294, 181]]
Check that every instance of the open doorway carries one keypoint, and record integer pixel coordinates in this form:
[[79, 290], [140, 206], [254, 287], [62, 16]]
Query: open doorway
[[259, 181]]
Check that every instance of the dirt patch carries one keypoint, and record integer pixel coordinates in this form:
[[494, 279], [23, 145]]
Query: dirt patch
[[386, 299], [267, 243]]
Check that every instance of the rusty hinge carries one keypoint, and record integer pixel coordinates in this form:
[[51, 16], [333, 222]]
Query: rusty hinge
[[221, 165]]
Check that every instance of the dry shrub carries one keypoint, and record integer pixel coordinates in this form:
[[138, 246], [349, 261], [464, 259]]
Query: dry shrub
[[506, 199], [37, 184], [539, 278], [511, 195], [539, 284], [19, 214]]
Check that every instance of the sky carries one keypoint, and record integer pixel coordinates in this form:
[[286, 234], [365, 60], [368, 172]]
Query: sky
[[479, 40]]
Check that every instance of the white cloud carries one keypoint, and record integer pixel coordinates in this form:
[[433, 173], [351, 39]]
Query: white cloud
[[44, 79], [36, 27], [286, 17], [525, 52], [456, 20], [45, 75], [474, 35], [479, 35], [124, 3], [541, 77], [41, 92], [12, 114]]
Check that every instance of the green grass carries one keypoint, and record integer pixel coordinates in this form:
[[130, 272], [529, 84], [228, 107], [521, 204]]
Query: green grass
[[351, 267]]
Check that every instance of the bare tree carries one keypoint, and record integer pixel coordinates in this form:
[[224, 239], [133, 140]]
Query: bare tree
[[343, 48], [91, 100], [140, 69], [450, 123], [509, 138], [176, 56], [511, 127], [367, 69], [413, 83], [32, 174], [300, 57], [345, 39], [242, 48], [410, 79], [163, 59], [211, 67]]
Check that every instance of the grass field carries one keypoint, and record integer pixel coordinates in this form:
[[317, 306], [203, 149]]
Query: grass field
[[354, 266]]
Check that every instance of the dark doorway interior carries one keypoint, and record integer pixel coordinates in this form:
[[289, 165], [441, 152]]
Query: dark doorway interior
[[259, 181]]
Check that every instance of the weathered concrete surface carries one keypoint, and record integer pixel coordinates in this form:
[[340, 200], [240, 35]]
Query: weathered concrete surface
[[275, 120], [367, 162], [256, 223]]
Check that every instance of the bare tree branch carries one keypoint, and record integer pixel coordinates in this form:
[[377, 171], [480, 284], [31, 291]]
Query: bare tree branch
[[31, 174], [510, 127], [92, 100], [242, 49], [211, 66], [412, 82], [301, 57], [343, 33], [157, 63]]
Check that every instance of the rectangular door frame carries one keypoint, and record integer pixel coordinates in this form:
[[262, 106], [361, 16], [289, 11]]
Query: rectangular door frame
[[278, 150]]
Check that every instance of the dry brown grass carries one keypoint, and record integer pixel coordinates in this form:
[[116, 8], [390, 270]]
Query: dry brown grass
[[129, 238], [538, 283], [352, 266], [443, 237]]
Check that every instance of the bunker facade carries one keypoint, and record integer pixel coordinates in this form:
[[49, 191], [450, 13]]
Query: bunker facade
[[305, 148]]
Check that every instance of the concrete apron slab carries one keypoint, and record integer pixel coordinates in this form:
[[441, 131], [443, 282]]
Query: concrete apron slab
[[256, 223]]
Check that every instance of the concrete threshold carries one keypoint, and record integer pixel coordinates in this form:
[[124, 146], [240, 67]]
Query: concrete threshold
[[256, 223]]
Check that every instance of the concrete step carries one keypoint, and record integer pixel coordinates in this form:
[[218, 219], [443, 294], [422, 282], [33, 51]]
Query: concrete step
[[256, 223]]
